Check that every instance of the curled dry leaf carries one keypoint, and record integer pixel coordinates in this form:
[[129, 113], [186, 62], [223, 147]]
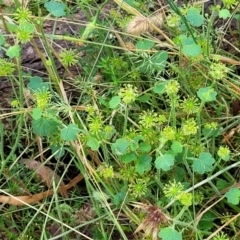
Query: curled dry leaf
[[44, 173]]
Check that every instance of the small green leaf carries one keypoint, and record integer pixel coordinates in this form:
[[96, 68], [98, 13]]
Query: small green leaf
[[93, 143], [204, 163], [120, 146], [143, 164], [145, 147], [37, 84], [144, 44], [224, 13], [58, 151], [207, 221], [26, 27], [57, 9], [114, 102], [221, 184], [194, 17], [160, 60], [70, 132], [143, 98], [169, 233], [164, 162], [37, 113], [128, 157], [207, 94], [176, 147], [233, 196], [192, 50], [159, 88], [44, 126], [13, 51]]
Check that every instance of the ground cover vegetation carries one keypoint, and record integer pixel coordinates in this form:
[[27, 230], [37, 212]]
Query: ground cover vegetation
[[127, 126]]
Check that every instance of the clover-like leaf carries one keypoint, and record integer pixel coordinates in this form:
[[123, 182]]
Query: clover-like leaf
[[70, 132], [120, 146], [207, 94], [143, 164], [144, 44], [194, 17], [233, 196], [224, 13], [13, 51], [37, 84], [114, 102], [58, 151], [37, 113], [192, 50], [44, 126], [57, 9], [169, 233], [176, 147], [164, 162], [204, 163], [93, 143]]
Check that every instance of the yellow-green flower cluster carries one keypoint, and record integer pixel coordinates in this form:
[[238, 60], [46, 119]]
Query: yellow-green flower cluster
[[185, 198], [106, 171], [218, 71], [169, 133], [42, 98], [189, 105], [173, 20], [224, 153], [189, 127], [172, 88], [173, 189], [128, 94], [229, 3]]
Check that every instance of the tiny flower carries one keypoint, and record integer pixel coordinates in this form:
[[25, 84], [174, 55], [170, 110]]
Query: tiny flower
[[68, 57], [128, 173], [173, 20], [172, 88], [23, 15], [221, 236], [106, 171], [218, 71], [148, 119], [189, 105], [211, 126], [128, 93], [42, 98], [15, 103], [189, 127], [161, 119], [169, 133], [139, 187], [224, 153], [173, 189], [6, 67], [198, 198], [185, 198], [95, 125], [229, 3]]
